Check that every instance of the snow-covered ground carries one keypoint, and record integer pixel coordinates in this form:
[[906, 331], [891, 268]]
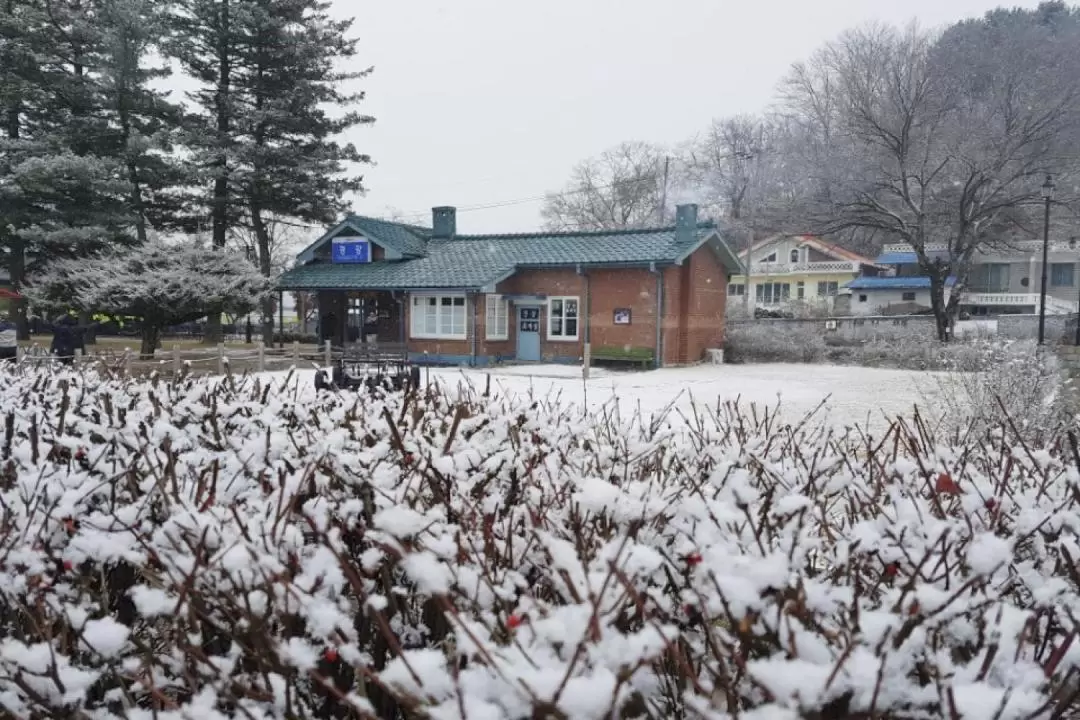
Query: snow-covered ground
[[851, 395]]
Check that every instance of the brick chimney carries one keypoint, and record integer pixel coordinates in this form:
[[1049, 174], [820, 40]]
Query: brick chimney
[[444, 222], [686, 223]]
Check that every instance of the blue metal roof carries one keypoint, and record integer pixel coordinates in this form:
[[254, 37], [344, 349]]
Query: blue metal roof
[[897, 258], [893, 283]]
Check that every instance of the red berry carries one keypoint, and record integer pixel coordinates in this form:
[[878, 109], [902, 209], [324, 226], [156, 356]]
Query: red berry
[[991, 504], [409, 458], [947, 485], [68, 565], [693, 558], [892, 569], [330, 654], [514, 621], [80, 454]]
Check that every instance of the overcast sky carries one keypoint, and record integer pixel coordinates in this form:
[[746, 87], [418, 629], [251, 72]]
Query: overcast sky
[[484, 102]]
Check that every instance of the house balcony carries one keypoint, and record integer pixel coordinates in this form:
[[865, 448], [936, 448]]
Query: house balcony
[[828, 267]]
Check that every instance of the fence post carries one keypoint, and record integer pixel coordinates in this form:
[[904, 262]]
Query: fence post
[[260, 348], [221, 358], [176, 365], [296, 352], [327, 354]]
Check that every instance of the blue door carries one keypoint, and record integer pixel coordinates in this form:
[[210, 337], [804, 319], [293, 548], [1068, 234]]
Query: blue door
[[528, 333]]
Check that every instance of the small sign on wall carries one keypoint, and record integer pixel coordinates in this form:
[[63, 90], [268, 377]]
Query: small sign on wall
[[350, 250], [622, 316]]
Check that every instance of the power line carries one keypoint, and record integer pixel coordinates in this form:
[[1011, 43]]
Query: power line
[[422, 214]]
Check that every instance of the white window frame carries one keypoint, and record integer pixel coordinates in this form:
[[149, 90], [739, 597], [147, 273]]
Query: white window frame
[[421, 300], [492, 306], [551, 317]]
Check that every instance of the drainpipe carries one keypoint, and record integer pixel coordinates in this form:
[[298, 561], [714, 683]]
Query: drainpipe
[[472, 333], [659, 313], [587, 326]]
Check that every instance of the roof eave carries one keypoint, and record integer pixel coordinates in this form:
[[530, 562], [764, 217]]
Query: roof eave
[[726, 255], [308, 254]]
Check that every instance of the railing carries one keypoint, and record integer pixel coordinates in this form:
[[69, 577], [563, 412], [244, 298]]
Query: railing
[[987, 298], [810, 267], [1022, 246], [1054, 305]]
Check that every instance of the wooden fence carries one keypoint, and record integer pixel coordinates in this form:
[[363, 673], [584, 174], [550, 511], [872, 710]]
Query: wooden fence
[[218, 360]]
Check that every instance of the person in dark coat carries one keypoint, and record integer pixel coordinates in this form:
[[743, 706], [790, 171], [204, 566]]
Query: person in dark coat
[[66, 340], [9, 343], [371, 328]]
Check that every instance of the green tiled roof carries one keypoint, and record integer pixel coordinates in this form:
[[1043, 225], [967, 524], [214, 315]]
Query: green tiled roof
[[406, 239], [475, 261]]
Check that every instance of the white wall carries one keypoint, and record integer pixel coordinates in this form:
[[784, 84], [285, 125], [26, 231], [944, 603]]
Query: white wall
[[878, 300]]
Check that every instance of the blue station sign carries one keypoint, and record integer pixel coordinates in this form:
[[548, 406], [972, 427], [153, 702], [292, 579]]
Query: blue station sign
[[350, 250]]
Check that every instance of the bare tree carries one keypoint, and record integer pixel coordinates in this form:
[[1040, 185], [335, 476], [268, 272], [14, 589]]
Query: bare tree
[[283, 239], [621, 188], [938, 141], [738, 170]]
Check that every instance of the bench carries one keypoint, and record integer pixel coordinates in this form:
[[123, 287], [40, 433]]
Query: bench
[[384, 365], [643, 356]]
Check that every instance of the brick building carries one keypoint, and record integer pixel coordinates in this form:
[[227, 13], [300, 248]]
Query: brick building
[[479, 299]]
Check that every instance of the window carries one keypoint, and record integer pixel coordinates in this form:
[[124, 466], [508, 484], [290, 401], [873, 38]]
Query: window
[[771, 258], [736, 289], [862, 298], [1061, 274], [794, 256], [908, 297], [827, 289], [563, 318], [800, 290], [770, 293], [990, 278], [497, 319], [438, 317]]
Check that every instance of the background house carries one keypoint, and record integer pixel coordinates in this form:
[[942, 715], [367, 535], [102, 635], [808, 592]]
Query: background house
[[789, 272], [1002, 281], [478, 299]]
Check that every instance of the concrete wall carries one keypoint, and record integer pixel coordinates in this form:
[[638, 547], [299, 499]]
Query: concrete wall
[[1016, 327]]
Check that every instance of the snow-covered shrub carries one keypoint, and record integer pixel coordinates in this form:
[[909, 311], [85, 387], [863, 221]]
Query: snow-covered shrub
[[761, 342], [237, 547], [993, 382]]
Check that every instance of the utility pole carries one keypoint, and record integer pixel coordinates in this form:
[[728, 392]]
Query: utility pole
[[1048, 195]]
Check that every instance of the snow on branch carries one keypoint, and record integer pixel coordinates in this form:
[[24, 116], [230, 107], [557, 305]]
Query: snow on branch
[[166, 284], [456, 554]]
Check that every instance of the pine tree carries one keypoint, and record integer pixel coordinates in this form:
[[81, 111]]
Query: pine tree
[[58, 196], [144, 125], [291, 163], [208, 36]]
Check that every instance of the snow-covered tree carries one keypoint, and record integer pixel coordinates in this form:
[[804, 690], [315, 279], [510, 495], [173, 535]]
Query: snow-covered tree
[[159, 283], [89, 160], [623, 187]]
